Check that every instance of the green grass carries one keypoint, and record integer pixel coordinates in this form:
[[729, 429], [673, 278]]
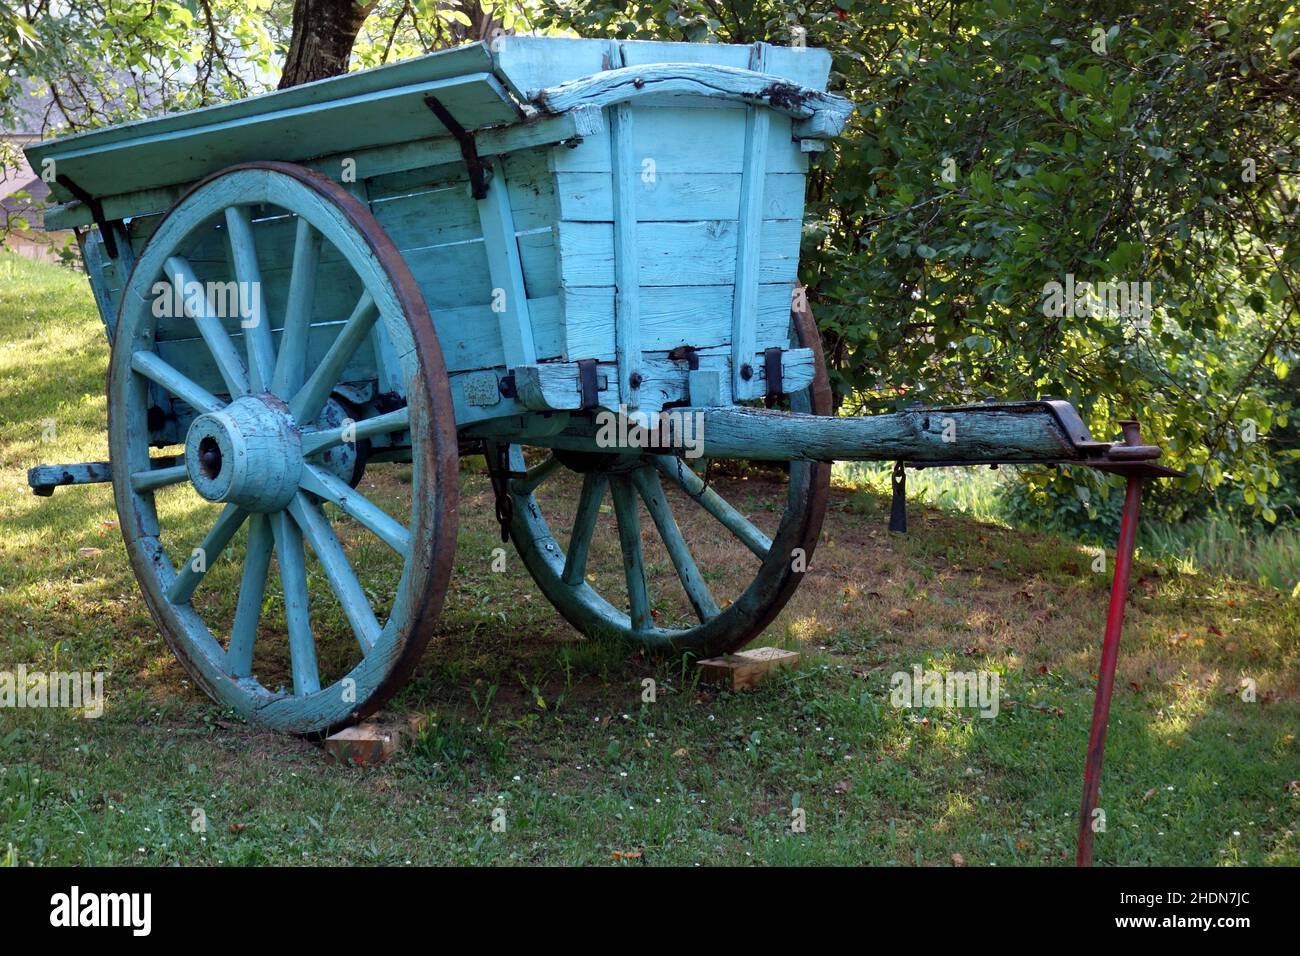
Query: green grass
[[526, 716], [1214, 546]]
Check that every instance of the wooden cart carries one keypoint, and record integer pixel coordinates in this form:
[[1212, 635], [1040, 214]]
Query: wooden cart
[[488, 248]]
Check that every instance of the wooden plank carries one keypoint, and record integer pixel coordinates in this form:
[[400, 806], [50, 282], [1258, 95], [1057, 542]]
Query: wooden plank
[[530, 63], [451, 276], [553, 386], [971, 435], [373, 741], [527, 64], [473, 58], [699, 316], [541, 263], [153, 159], [744, 314], [443, 214], [103, 285], [632, 83], [190, 356], [471, 339], [373, 162], [677, 197], [509, 298], [627, 282], [677, 253], [683, 140], [747, 669]]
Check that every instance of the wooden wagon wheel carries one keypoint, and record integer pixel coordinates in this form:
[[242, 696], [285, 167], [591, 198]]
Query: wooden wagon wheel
[[782, 558], [259, 456]]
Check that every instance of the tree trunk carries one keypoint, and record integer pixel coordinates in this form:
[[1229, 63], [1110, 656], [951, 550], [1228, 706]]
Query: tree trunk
[[323, 34]]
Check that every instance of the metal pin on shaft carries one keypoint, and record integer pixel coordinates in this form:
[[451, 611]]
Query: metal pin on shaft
[[898, 506]]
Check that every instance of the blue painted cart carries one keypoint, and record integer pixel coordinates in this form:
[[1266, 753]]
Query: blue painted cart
[[487, 249]]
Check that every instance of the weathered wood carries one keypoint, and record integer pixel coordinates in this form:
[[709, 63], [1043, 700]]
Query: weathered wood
[[692, 79], [529, 64], [646, 482], [43, 479], [627, 277], [744, 315], [629, 538], [678, 253], [509, 297], [371, 163], [159, 156], [560, 572], [373, 741], [256, 460], [554, 386], [745, 670], [969, 435], [688, 140]]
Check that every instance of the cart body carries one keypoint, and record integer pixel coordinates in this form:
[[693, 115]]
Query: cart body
[[573, 211]]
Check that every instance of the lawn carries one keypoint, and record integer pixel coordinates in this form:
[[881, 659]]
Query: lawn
[[525, 715]]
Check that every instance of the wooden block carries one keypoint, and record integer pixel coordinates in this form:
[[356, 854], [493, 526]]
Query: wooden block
[[746, 669], [373, 741]]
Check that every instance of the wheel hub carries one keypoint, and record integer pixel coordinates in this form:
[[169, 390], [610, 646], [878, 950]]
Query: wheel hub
[[248, 454]]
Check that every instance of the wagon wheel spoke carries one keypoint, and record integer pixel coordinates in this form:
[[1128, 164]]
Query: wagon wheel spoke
[[329, 551], [257, 327], [652, 493], [268, 441], [154, 478], [534, 477], [584, 525], [214, 543], [354, 504], [629, 539], [220, 345], [182, 386], [714, 504], [291, 362], [315, 442], [308, 401], [293, 578], [252, 589]]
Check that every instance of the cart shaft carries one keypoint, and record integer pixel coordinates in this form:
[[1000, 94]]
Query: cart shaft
[[1009, 433]]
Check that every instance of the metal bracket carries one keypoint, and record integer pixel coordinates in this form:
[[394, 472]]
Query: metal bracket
[[898, 503], [686, 353], [468, 151], [772, 372], [96, 212], [587, 383]]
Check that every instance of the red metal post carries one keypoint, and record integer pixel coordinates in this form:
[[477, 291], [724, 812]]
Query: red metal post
[[1106, 672]]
